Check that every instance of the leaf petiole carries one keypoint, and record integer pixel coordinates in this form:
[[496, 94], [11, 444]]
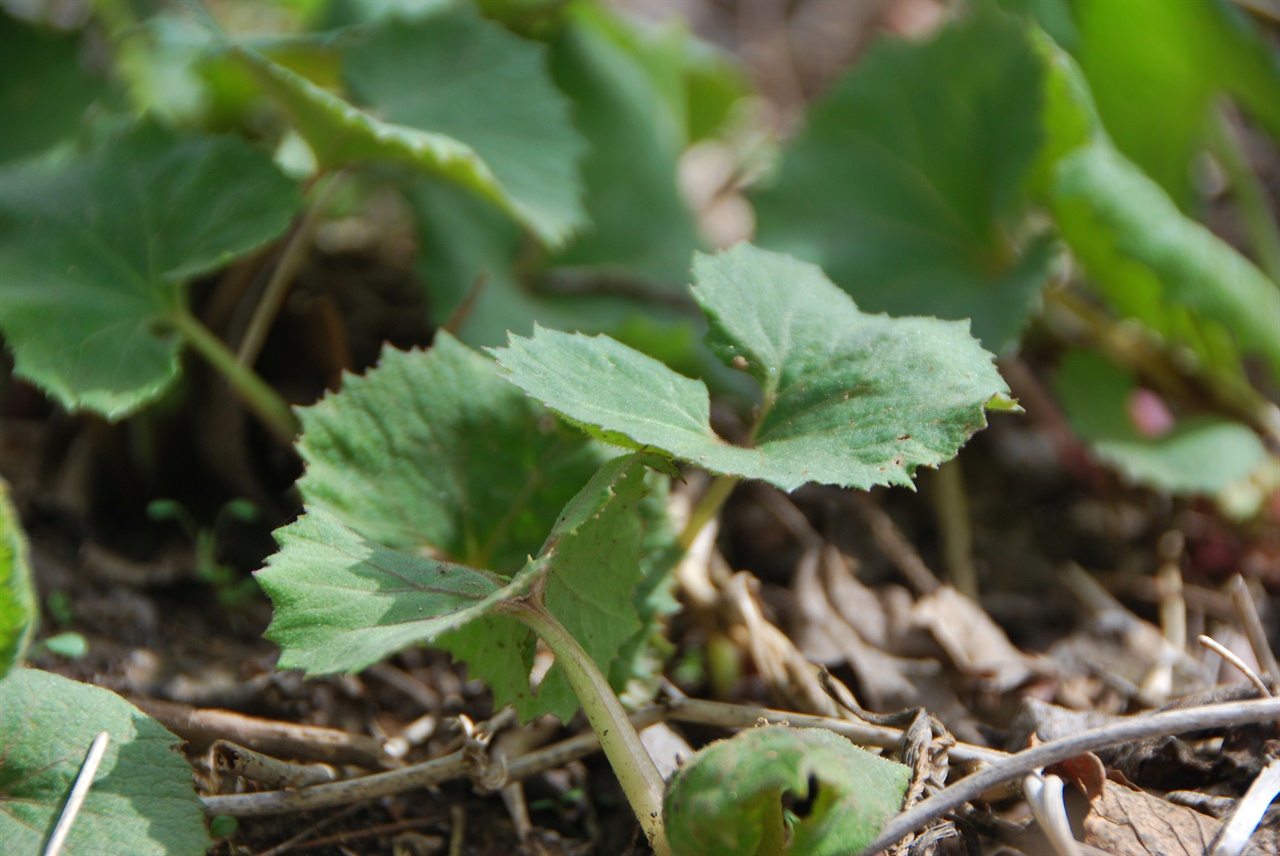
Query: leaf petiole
[[636, 772], [257, 394]]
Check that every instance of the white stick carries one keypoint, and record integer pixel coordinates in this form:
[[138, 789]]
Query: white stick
[[79, 791]]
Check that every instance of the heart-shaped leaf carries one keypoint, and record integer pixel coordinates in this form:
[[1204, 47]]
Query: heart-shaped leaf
[[847, 398], [95, 251]]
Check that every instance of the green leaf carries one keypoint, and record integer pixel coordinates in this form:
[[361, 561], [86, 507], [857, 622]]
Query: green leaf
[[592, 560], [433, 452], [425, 470], [19, 611], [906, 185], [1200, 455], [848, 398], [343, 602], [341, 134], [639, 222], [775, 789], [95, 251], [141, 802], [1156, 68], [1154, 264], [43, 88], [461, 77]]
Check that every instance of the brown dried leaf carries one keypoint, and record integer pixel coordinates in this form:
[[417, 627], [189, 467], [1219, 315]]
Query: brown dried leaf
[[1125, 822], [976, 644]]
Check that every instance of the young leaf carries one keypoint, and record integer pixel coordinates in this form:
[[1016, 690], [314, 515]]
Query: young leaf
[[592, 565], [1156, 265], [433, 452], [848, 398], [18, 609], [776, 789], [1200, 455], [431, 457], [343, 602], [141, 801], [103, 243], [459, 76], [905, 187]]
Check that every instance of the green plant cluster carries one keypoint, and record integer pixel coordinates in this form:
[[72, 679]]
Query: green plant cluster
[[506, 485]]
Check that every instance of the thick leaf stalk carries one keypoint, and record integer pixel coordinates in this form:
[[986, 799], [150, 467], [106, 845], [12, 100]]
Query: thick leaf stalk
[[636, 772]]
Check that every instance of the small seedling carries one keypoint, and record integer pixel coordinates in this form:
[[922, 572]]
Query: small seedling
[[417, 517]]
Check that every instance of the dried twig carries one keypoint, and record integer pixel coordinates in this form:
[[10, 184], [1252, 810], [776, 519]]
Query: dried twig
[[1230, 656], [201, 727], [1247, 611], [455, 765], [1239, 828], [1120, 731]]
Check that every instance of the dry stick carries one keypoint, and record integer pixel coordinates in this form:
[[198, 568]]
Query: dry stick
[[1239, 828], [1247, 611], [1230, 656], [79, 791], [863, 733], [201, 727], [1134, 728], [452, 766]]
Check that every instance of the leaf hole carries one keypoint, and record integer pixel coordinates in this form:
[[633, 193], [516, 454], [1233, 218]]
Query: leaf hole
[[802, 807]]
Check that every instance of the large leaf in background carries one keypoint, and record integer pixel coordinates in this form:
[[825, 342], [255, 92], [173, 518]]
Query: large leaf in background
[[464, 240], [341, 134], [905, 186], [141, 802], [458, 76], [18, 609], [848, 398], [432, 451], [43, 88], [634, 119], [1199, 455], [343, 602], [1154, 264], [95, 251], [1155, 69]]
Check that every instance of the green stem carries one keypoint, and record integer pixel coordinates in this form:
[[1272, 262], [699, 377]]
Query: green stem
[[951, 505], [1259, 220], [708, 507], [295, 251], [636, 772], [256, 393]]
